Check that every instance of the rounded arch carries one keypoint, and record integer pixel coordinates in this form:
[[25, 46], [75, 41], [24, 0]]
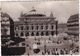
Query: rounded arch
[[32, 34], [16, 34], [42, 33], [22, 34], [47, 33], [37, 34], [27, 33]]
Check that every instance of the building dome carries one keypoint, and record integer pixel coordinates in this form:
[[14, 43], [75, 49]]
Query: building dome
[[33, 12]]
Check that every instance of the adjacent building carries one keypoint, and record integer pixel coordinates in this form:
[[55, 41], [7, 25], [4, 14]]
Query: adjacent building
[[35, 24], [73, 25], [7, 29], [8, 41]]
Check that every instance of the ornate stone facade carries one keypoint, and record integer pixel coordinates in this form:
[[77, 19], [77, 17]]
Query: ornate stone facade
[[35, 24]]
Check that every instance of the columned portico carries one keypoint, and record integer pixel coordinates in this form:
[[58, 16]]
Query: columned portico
[[19, 34], [35, 33], [35, 25], [39, 33]]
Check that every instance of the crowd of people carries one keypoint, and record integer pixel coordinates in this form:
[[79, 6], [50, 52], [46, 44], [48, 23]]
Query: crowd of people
[[57, 51]]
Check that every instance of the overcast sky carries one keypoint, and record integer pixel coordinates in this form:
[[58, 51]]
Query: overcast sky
[[62, 10]]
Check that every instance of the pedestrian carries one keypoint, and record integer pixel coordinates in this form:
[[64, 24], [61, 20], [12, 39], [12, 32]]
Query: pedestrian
[[57, 53], [48, 52], [28, 54], [42, 53], [27, 45], [56, 49], [30, 48], [52, 53]]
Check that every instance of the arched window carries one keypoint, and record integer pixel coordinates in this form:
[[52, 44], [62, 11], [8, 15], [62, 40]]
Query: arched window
[[32, 34], [22, 34], [27, 34], [42, 34], [37, 34], [52, 33], [47, 33]]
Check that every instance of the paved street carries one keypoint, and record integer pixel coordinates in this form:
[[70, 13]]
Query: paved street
[[49, 45]]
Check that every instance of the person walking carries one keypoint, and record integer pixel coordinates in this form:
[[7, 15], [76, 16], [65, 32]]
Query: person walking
[[42, 53], [28, 54]]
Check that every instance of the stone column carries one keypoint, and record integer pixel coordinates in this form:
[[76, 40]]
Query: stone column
[[35, 34], [49, 33], [18, 27], [44, 27], [29, 27], [24, 27], [44, 33], [34, 27], [29, 33], [39, 27], [39, 33], [49, 27], [24, 33], [54, 27], [19, 34]]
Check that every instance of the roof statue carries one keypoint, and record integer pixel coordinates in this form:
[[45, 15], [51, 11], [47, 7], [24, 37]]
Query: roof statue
[[33, 10], [35, 13], [51, 15]]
